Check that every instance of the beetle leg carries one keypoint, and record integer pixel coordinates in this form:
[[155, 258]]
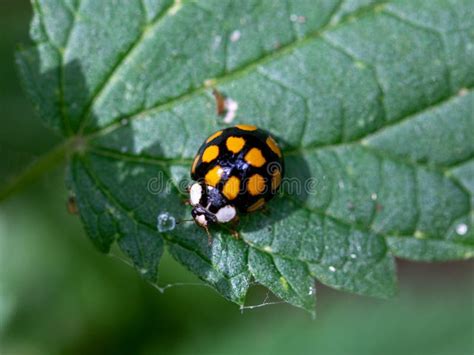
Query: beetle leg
[[265, 210], [234, 223]]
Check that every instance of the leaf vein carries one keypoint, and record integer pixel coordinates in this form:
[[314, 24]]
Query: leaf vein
[[101, 89], [363, 139], [232, 75], [399, 17], [62, 72], [372, 68], [100, 185], [129, 212]]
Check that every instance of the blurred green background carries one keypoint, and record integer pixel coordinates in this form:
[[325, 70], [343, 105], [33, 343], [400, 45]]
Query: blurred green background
[[59, 296]]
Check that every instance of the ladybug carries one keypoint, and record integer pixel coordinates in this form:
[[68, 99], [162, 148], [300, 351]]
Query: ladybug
[[236, 170]]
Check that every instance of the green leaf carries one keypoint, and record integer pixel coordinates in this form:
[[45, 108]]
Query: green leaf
[[372, 101]]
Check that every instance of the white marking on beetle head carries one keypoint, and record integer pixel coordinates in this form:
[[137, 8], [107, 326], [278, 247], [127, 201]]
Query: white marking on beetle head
[[201, 220], [226, 214], [195, 194]]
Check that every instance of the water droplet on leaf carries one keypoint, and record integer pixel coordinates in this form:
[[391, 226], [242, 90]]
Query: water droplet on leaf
[[461, 229], [165, 222], [235, 36]]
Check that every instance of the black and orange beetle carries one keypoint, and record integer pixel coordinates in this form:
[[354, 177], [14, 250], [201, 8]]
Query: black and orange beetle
[[237, 169]]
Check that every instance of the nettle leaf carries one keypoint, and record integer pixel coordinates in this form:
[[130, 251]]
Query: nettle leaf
[[372, 101]]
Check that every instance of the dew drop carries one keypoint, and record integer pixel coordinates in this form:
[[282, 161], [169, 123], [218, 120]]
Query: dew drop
[[332, 269], [235, 36], [353, 256], [311, 290], [373, 196], [143, 271], [124, 121], [165, 222], [461, 229]]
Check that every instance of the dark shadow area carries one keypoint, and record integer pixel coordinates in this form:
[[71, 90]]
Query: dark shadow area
[[23, 138]]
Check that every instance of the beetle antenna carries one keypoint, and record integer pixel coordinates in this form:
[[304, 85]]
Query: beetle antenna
[[184, 220]]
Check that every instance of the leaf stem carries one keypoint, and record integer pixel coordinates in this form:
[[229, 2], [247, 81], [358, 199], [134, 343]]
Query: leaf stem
[[44, 163]]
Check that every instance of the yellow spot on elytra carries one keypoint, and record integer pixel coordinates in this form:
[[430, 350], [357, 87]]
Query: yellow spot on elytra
[[196, 159], [246, 127], [231, 188], [276, 179], [273, 146], [255, 158], [256, 185], [210, 153], [235, 144], [260, 202], [213, 176], [215, 135]]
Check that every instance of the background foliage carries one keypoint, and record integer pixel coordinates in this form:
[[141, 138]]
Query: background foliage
[[58, 296]]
